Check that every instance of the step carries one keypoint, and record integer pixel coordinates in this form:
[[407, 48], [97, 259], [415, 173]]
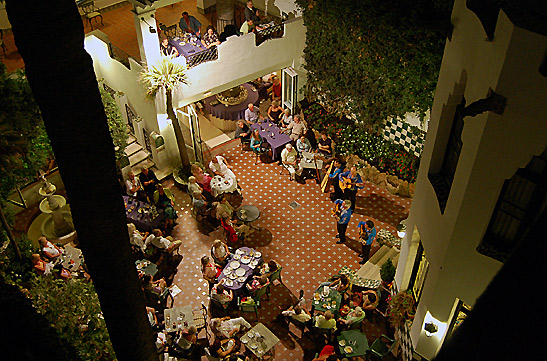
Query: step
[[132, 149], [221, 139], [131, 139], [391, 253], [138, 158], [379, 254], [369, 271]]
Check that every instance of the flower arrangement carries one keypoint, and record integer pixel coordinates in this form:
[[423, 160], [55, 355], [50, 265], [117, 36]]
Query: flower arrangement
[[401, 308]]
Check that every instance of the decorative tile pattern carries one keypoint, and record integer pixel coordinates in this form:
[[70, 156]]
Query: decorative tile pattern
[[399, 132]]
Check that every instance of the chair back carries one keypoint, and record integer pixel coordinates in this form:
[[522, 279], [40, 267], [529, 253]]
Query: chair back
[[88, 7], [276, 275], [301, 325], [380, 348], [259, 293], [171, 31], [323, 331]]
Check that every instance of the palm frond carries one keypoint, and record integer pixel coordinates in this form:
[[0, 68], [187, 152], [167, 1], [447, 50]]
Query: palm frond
[[164, 74]]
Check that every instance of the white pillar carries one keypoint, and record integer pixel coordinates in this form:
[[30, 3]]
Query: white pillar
[[149, 43]]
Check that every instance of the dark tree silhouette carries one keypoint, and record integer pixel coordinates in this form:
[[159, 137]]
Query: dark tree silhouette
[[50, 40]]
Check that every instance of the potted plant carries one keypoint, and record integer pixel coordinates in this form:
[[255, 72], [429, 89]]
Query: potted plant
[[387, 273], [401, 308]]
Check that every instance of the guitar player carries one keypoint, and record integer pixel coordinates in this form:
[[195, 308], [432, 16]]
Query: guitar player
[[350, 183]]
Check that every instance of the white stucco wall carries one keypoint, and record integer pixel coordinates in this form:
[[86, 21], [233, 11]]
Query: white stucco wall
[[494, 147]]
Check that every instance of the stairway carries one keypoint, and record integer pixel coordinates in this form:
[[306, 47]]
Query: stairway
[[138, 157], [371, 269]]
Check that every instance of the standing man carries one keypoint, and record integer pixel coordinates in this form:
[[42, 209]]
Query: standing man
[[148, 180], [351, 182], [344, 207], [190, 24], [338, 169], [367, 235], [251, 13]]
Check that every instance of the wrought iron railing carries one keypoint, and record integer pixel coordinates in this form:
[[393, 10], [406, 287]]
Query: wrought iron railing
[[271, 32], [119, 55], [202, 57]]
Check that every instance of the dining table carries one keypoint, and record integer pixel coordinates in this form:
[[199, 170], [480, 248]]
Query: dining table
[[71, 258], [146, 267], [187, 45], [248, 214], [235, 111], [178, 318], [326, 299], [220, 185], [353, 343], [240, 269], [141, 214], [271, 133], [259, 340]]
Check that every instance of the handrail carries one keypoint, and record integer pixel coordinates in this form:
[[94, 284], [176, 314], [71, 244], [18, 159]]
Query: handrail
[[271, 32], [202, 57], [119, 55]]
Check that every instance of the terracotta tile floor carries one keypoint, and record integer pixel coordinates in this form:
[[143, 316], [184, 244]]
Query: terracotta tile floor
[[119, 25], [301, 240]]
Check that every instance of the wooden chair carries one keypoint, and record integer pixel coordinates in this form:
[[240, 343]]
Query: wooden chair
[[299, 325], [326, 333], [380, 349], [91, 12], [200, 320], [245, 144], [171, 31]]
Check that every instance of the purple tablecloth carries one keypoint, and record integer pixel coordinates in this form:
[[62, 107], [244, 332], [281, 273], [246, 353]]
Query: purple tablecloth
[[277, 141], [238, 288], [232, 112], [143, 222], [187, 49]]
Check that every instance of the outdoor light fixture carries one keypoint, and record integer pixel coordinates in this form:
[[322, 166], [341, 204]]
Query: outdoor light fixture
[[430, 328], [401, 229], [150, 27]]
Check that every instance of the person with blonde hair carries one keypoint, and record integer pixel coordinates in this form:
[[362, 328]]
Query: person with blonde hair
[[220, 252], [275, 111], [325, 321]]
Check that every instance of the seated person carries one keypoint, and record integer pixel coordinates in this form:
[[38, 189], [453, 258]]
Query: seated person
[[370, 300], [324, 144], [164, 243], [223, 208], [303, 145], [288, 158], [297, 313], [210, 271], [153, 286], [268, 268], [356, 315], [234, 231], [222, 348], [243, 132], [203, 180], [221, 294], [185, 341], [343, 286], [326, 354], [256, 142], [325, 321], [238, 357], [166, 201], [286, 118], [249, 27], [227, 327], [190, 24], [44, 268], [275, 112], [167, 49], [211, 37], [136, 238], [151, 313], [49, 250], [220, 166], [220, 252], [252, 114], [297, 128], [133, 187], [257, 283]]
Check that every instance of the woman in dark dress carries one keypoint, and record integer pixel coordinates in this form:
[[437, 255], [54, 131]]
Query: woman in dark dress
[[275, 111], [167, 49]]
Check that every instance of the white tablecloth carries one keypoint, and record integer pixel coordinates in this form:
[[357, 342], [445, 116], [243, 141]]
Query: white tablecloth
[[221, 185]]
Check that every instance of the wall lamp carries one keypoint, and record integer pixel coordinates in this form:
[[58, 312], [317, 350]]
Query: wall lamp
[[150, 27]]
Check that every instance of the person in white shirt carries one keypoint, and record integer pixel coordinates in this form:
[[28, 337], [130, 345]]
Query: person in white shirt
[[133, 186], [288, 158], [158, 241], [286, 118], [220, 252], [297, 313], [227, 327], [136, 238], [219, 166], [221, 294], [49, 250]]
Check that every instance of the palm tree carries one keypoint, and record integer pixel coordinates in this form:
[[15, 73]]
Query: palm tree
[[61, 76], [168, 75]]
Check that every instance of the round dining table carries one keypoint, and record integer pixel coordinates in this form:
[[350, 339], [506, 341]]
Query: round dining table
[[221, 185], [248, 214]]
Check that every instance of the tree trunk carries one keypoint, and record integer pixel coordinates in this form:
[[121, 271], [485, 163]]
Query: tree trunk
[[181, 144], [60, 73]]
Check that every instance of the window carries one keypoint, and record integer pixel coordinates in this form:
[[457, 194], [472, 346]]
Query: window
[[442, 180], [522, 197], [419, 272]]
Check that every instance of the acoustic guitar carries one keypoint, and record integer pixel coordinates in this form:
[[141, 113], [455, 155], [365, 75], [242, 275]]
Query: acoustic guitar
[[363, 234], [325, 184], [336, 212], [347, 183]]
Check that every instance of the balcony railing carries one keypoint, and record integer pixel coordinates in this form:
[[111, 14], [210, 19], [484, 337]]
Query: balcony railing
[[271, 32], [119, 55], [202, 57]]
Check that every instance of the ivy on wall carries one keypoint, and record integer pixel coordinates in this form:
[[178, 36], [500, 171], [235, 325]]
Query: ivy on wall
[[374, 58]]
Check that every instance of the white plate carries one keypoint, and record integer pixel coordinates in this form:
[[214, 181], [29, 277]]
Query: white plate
[[245, 259], [240, 272], [257, 255], [244, 339], [232, 276], [348, 349], [241, 279], [254, 263], [237, 256], [342, 343], [234, 264], [238, 251]]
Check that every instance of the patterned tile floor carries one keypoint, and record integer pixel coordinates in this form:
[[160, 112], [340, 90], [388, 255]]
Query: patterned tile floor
[[302, 240]]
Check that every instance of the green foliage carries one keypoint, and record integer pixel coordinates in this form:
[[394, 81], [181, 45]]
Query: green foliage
[[24, 144], [401, 308], [375, 59], [118, 128], [387, 272], [164, 74], [13, 270], [354, 138], [73, 309]]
